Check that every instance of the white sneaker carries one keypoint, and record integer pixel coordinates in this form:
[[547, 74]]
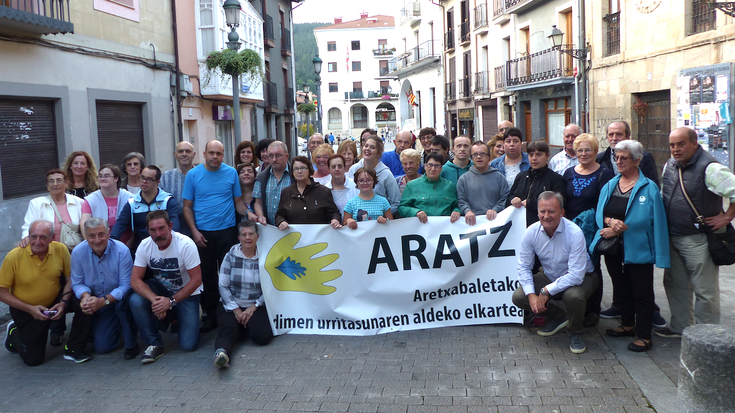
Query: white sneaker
[[151, 354]]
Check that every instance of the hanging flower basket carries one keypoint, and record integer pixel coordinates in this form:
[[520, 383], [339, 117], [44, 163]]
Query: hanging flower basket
[[640, 108], [227, 63]]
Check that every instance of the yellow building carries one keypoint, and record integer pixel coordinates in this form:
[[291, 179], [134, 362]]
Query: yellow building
[[661, 64]]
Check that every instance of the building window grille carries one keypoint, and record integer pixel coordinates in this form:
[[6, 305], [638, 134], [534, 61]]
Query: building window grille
[[612, 21], [703, 16]]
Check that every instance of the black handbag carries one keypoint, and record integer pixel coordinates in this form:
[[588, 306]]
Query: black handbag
[[721, 243], [608, 246]]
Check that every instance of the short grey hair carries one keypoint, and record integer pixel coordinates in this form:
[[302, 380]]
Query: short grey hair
[[279, 144], [95, 222], [546, 195], [49, 224], [633, 147]]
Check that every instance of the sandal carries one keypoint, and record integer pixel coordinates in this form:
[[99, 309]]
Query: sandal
[[620, 331], [635, 347]]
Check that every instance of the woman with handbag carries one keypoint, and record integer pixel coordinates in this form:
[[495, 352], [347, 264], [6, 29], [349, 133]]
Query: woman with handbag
[[633, 237], [64, 210]]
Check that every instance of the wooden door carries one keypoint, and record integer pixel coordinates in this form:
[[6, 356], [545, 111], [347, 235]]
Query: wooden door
[[655, 126]]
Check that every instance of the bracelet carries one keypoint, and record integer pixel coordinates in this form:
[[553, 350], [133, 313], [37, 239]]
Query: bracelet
[[66, 293], [66, 302]]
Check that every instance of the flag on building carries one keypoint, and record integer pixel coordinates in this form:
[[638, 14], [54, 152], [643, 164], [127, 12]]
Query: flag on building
[[347, 63], [411, 97]]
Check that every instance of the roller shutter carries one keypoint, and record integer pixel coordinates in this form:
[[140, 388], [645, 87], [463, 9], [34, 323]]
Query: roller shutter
[[119, 130]]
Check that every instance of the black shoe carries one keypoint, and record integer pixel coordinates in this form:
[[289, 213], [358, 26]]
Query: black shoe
[[638, 349], [55, 339], [76, 356], [11, 329], [591, 320], [620, 331], [131, 353], [152, 353], [611, 313], [667, 333], [208, 325], [553, 326], [658, 320]]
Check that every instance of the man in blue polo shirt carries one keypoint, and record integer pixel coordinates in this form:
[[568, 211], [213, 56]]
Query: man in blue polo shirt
[[211, 195]]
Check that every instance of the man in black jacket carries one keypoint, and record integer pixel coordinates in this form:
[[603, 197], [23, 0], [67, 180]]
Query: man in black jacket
[[617, 131]]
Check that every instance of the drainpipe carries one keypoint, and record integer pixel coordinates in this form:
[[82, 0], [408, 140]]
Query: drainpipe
[[179, 122], [583, 68]]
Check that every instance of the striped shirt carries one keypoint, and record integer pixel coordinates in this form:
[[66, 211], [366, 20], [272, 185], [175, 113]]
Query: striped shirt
[[239, 280], [173, 182]]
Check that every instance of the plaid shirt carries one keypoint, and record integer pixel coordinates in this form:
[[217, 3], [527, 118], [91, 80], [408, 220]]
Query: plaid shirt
[[273, 192], [562, 161], [239, 280]]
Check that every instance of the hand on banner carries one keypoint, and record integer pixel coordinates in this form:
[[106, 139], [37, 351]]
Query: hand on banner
[[454, 217], [335, 224], [351, 223], [516, 202], [382, 220], [491, 214], [283, 226], [423, 218], [469, 218]]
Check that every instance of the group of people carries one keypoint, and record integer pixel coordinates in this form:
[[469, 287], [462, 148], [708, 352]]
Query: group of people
[[141, 251]]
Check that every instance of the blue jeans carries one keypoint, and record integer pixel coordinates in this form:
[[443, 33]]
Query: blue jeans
[[187, 312]]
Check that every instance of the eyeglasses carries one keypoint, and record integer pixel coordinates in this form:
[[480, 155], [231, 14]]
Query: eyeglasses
[[365, 181], [585, 150], [276, 155], [433, 165], [55, 181], [618, 158], [108, 176], [300, 168], [479, 155], [147, 179]]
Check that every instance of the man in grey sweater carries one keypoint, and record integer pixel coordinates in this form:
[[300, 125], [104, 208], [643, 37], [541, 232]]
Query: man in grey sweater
[[482, 190]]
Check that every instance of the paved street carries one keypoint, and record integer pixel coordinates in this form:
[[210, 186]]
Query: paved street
[[503, 368]]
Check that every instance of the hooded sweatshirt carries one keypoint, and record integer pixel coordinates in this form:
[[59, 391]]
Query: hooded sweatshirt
[[452, 172], [481, 191]]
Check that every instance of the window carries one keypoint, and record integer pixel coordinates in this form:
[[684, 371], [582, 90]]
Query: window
[[702, 16], [612, 29], [206, 27], [333, 88], [355, 45], [384, 85], [331, 46], [382, 44], [332, 66], [383, 67], [356, 66], [357, 86], [127, 9], [558, 115], [335, 117]]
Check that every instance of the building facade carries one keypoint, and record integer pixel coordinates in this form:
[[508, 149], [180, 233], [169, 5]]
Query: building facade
[[95, 76], [357, 90], [417, 66], [660, 65]]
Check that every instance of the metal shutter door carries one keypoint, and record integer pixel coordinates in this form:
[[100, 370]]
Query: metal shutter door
[[489, 122], [119, 130], [28, 146]]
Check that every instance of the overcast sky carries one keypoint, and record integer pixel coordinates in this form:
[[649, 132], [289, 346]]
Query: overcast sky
[[311, 11]]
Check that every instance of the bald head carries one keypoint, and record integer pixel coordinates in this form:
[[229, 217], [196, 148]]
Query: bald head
[[184, 155], [214, 152], [504, 126], [403, 141], [314, 141]]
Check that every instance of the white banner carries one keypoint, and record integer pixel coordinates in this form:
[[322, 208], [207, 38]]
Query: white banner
[[401, 275]]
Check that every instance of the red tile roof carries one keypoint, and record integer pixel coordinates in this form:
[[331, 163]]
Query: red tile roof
[[368, 22]]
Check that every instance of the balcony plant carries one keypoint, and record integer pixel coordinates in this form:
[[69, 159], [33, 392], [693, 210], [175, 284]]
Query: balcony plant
[[383, 51], [227, 63]]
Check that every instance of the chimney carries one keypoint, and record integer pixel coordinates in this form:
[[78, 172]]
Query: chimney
[[363, 15], [337, 20]]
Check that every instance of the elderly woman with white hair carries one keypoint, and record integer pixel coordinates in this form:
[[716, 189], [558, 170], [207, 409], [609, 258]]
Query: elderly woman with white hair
[[633, 236], [411, 162]]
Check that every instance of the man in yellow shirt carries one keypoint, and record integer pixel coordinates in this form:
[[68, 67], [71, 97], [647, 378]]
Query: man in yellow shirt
[[30, 283]]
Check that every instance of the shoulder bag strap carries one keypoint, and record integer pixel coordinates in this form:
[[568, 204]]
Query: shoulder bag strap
[[700, 218], [56, 210]]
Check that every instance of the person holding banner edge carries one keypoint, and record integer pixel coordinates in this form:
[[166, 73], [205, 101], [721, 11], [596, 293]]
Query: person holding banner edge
[[572, 280]]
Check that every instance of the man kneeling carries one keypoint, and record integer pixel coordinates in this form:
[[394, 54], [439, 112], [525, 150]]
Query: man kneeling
[[241, 310], [176, 285], [568, 273]]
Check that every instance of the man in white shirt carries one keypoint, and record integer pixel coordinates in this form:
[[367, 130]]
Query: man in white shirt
[[572, 280], [567, 158], [176, 286]]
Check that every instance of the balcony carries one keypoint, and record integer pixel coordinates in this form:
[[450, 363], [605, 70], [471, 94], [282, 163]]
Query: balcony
[[450, 91], [515, 6], [416, 58], [359, 124], [384, 71], [482, 83], [464, 33], [270, 37], [449, 41], [411, 14], [500, 80], [289, 98], [271, 96], [498, 8], [381, 94], [36, 17], [383, 51], [464, 88], [480, 25], [285, 42], [545, 65]]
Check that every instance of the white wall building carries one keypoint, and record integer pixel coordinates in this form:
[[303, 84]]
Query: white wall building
[[357, 91], [418, 66]]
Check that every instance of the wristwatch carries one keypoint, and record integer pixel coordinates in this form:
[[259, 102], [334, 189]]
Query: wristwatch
[[172, 301], [107, 300], [545, 292]]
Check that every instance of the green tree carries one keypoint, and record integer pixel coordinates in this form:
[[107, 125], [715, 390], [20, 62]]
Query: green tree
[[304, 51]]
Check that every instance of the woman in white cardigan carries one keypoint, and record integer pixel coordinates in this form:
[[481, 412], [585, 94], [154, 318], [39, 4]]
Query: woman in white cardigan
[[69, 206], [107, 202]]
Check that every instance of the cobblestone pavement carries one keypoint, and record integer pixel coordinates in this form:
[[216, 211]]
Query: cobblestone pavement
[[502, 368]]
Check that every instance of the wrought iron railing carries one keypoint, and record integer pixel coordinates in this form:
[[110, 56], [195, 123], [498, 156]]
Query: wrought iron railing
[[412, 56], [543, 65], [359, 124], [286, 40], [511, 3], [449, 39], [464, 32], [269, 33], [480, 16], [271, 95], [498, 8], [450, 90], [53, 15], [612, 46], [500, 79], [289, 98], [464, 88], [410, 11], [482, 84]]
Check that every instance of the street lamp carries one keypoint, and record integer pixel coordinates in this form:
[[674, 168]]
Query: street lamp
[[307, 88], [318, 69], [232, 16], [556, 37]]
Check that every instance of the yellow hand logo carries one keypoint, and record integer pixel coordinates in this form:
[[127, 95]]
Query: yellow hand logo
[[293, 269]]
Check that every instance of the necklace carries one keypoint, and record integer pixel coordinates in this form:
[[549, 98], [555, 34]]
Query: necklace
[[625, 188]]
